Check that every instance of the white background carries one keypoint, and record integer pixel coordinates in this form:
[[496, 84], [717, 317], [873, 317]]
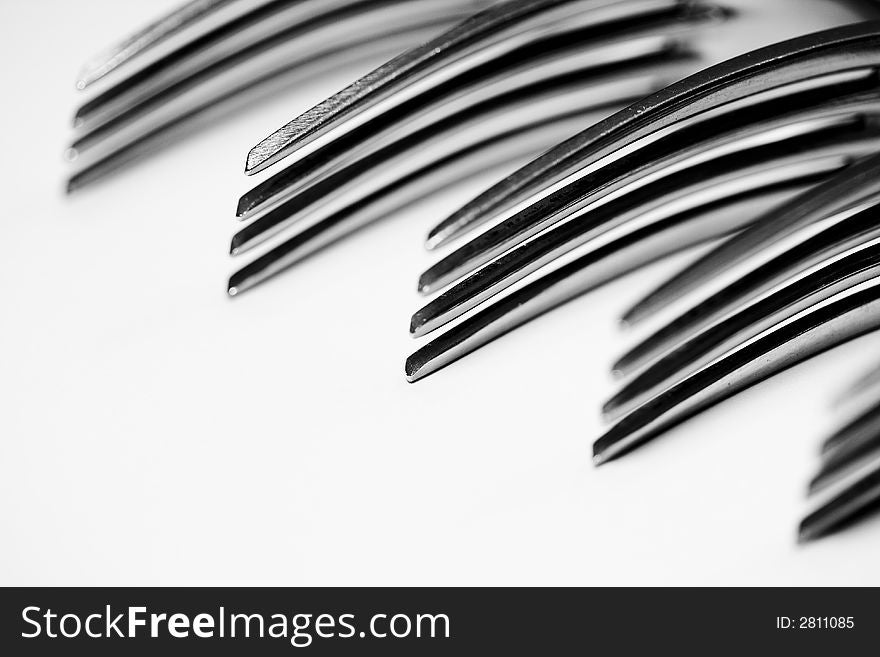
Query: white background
[[157, 432]]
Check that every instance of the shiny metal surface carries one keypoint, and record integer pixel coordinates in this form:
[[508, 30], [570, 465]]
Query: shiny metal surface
[[213, 56], [650, 142]]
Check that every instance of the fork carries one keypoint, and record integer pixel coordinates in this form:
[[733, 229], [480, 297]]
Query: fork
[[212, 57], [847, 486]]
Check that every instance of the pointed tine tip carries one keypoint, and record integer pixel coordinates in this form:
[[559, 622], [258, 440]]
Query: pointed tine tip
[[81, 84], [237, 284], [411, 369], [633, 316], [235, 245], [256, 159], [816, 485], [807, 533], [829, 446], [610, 410], [70, 154], [434, 241], [242, 208], [424, 286], [602, 452]]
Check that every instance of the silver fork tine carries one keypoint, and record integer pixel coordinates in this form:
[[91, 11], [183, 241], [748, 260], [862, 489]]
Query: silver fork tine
[[615, 147], [152, 37], [481, 38], [308, 240], [855, 444], [848, 484], [846, 315], [261, 49], [646, 49], [785, 231], [778, 313], [253, 27], [537, 179], [612, 206], [802, 290], [245, 57], [589, 265], [857, 501], [167, 128], [362, 186], [317, 184]]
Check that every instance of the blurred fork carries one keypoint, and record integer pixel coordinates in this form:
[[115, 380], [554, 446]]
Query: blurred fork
[[847, 487], [211, 56]]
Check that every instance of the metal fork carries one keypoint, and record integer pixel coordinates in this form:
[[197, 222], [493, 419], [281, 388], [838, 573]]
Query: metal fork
[[745, 135], [430, 115], [847, 487], [210, 57]]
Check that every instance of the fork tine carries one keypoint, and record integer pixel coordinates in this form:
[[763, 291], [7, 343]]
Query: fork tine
[[218, 40], [132, 104], [639, 52], [481, 38], [169, 128], [152, 37], [616, 204], [597, 145], [776, 76], [849, 479], [778, 87], [814, 226], [859, 445], [847, 315], [321, 183], [142, 112], [736, 253], [363, 194], [856, 501], [589, 266], [805, 288]]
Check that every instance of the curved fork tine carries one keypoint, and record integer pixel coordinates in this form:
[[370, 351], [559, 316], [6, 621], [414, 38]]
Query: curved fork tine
[[675, 224], [251, 28], [197, 15], [852, 504], [480, 39], [362, 187], [856, 426], [726, 262], [855, 445], [860, 392], [167, 129], [302, 42], [820, 224], [635, 50], [845, 316], [608, 209], [325, 190], [623, 164], [441, 174], [619, 137], [806, 288]]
